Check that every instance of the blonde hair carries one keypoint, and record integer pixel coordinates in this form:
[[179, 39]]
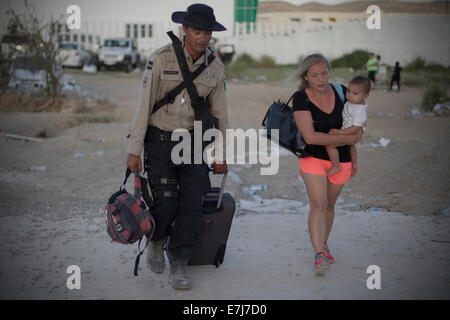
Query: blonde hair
[[306, 64]]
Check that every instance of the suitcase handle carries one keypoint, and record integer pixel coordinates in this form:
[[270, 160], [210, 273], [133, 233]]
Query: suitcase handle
[[222, 187]]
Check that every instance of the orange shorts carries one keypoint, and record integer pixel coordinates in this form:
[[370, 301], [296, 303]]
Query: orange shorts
[[318, 166]]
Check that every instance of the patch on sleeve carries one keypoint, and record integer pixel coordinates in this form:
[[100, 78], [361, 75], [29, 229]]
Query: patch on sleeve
[[210, 74], [149, 65], [145, 79]]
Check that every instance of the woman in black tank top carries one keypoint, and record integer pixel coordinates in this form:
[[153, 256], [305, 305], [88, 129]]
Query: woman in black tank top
[[317, 109]]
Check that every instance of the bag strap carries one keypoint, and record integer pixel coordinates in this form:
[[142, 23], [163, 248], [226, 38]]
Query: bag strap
[[127, 175], [340, 91], [171, 95], [263, 123], [136, 262], [187, 75], [287, 103], [137, 183]]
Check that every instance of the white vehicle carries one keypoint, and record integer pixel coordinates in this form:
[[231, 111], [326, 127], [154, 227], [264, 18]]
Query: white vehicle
[[120, 52], [28, 74], [74, 54]]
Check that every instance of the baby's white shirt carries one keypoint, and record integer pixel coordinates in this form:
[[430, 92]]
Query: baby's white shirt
[[354, 115]]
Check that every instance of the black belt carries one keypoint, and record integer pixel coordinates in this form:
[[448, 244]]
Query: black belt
[[155, 134]]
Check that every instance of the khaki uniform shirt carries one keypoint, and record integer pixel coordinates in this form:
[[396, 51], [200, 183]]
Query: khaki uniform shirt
[[161, 75]]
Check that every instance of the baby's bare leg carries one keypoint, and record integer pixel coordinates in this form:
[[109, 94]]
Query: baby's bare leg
[[333, 154]]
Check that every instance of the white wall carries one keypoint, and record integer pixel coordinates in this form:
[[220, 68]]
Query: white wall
[[402, 38]]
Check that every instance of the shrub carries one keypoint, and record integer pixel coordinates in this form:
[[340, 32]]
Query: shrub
[[245, 59], [356, 59], [433, 95], [420, 64], [436, 67], [266, 62], [417, 64]]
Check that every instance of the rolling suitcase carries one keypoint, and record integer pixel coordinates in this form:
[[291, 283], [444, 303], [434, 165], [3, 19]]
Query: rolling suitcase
[[218, 212]]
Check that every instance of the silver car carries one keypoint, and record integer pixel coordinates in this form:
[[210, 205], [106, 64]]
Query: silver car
[[73, 54], [28, 74]]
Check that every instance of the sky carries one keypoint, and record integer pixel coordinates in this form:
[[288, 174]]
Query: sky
[[298, 2]]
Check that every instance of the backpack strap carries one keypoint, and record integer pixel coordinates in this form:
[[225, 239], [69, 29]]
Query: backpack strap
[[340, 91], [188, 76]]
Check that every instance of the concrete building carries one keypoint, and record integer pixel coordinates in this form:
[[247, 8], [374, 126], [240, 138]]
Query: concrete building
[[283, 35]]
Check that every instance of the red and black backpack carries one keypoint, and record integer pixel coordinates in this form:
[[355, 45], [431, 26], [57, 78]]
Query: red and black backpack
[[127, 217]]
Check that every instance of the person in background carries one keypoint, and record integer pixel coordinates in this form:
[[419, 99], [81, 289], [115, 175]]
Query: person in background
[[382, 72], [372, 69], [396, 76]]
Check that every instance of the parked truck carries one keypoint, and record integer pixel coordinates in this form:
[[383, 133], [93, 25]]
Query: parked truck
[[118, 52]]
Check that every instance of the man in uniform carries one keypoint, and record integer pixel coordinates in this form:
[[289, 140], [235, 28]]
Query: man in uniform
[[178, 188]]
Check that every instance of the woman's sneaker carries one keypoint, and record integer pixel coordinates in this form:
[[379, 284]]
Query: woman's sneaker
[[327, 254], [321, 264]]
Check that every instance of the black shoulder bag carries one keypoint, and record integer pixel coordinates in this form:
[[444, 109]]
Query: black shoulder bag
[[281, 117]]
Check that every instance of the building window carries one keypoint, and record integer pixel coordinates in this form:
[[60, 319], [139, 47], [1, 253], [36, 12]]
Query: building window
[[150, 29], [128, 31], [142, 30], [83, 38], [90, 39], [75, 37], [97, 40], [67, 37], [135, 31]]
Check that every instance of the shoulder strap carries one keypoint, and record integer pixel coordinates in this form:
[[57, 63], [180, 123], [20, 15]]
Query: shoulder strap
[[171, 95], [340, 91], [187, 75]]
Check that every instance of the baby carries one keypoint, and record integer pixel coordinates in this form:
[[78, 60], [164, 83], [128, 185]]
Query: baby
[[354, 117]]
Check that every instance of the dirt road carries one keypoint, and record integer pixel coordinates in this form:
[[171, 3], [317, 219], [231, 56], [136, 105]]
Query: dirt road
[[388, 214]]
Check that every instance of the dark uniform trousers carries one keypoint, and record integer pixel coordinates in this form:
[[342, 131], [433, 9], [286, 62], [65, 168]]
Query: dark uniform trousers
[[178, 191]]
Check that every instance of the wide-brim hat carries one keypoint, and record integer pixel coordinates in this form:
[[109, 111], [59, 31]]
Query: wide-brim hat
[[199, 16]]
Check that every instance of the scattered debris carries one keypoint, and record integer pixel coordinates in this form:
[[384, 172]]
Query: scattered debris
[[15, 136], [441, 241], [38, 168], [271, 205], [90, 68], [251, 190], [383, 142], [261, 78], [376, 209], [446, 212], [440, 109], [96, 154], [79, 155], [416, 113]]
